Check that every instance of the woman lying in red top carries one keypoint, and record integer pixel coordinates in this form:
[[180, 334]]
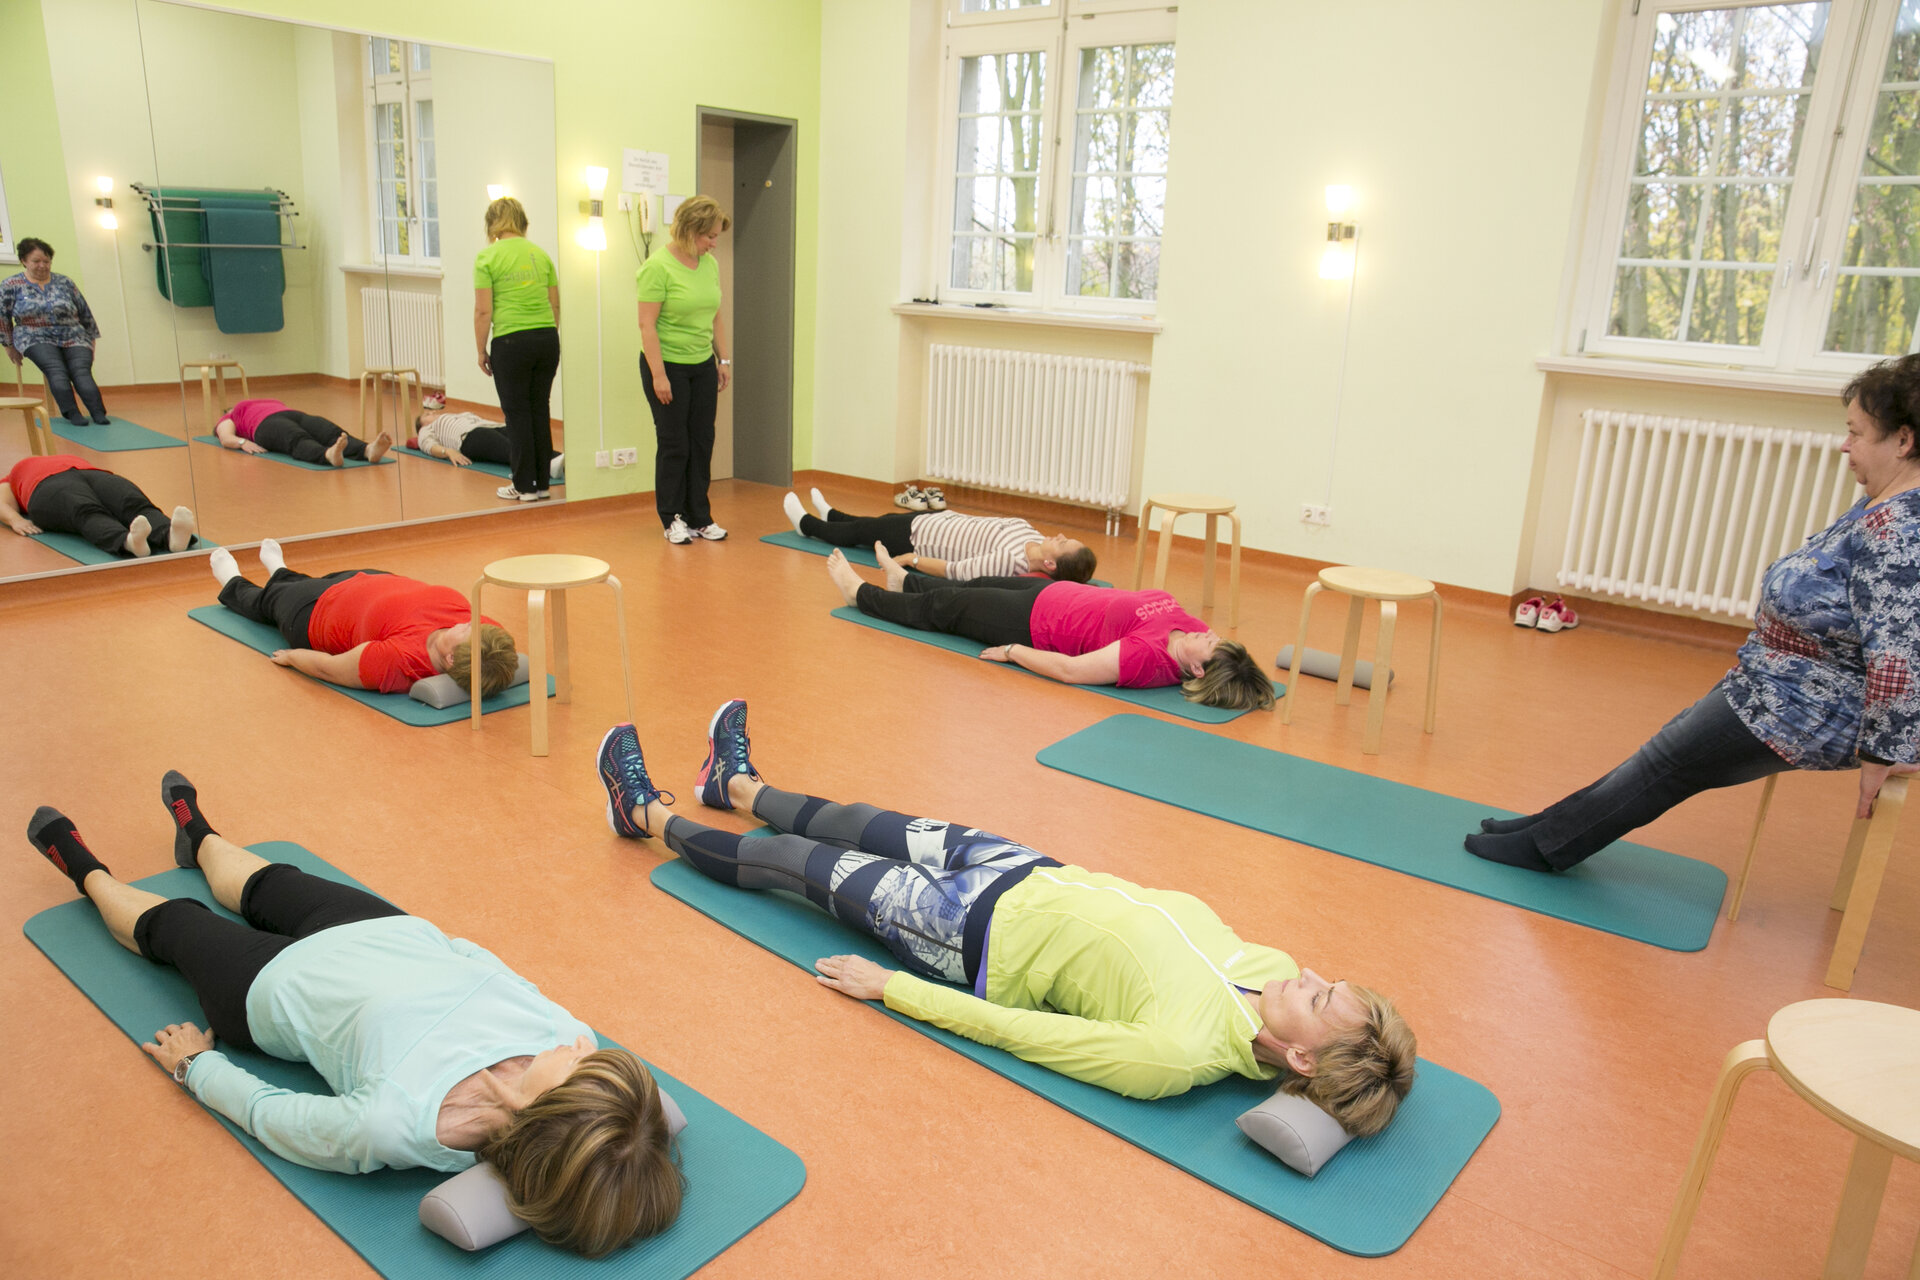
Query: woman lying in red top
[[65, 494], [367, 628]]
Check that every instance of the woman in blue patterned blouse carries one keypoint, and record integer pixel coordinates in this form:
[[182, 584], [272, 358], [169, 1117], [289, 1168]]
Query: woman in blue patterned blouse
[[44, 318], [1828, 679]]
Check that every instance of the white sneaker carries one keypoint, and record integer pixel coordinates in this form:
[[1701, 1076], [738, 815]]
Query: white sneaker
[[820, 504], [678, 533], [511, 494], [711, 532], [795, 512], [912, 499]]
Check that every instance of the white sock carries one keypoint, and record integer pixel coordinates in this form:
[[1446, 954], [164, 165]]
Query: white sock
[[180, 536], [137, 534], [820, 504], [795, 511], [225, 567], [271, 555]]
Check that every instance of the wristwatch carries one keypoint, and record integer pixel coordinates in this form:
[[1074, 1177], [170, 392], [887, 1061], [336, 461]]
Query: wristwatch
[[725, 361], [180, 1067]]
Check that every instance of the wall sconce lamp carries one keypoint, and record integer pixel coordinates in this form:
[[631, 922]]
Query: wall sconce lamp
[[594, 235], [1343, 237], [495, 190], [106, 218]]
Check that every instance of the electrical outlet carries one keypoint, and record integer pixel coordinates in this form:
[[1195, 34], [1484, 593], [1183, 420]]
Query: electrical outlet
[[602, 459], [1315, 513], [625, 457], [626, 201]]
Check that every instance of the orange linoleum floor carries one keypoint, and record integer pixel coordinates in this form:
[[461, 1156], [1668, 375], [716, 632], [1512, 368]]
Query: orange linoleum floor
[[1601, 1050]]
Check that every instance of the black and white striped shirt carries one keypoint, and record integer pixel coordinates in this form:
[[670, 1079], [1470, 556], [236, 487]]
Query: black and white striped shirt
[[974, 546]]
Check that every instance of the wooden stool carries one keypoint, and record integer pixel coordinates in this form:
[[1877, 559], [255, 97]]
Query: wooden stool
[[1172, 506], [404, 411], [540, 576], [1388, 587], [39, 424], [209, 370], [1858, 1063], [1861, 870]]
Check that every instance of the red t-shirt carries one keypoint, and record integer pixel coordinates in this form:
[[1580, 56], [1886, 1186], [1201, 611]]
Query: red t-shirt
[[1075, 618], [249, 414], [392, 616], [29, 472]]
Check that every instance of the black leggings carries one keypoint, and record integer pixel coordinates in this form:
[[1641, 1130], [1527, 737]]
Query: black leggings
[[490, 444], [524, 364], [843, 530], [1000, 613], [304, 436], [220, 958], [683, 440], [286, 602], [67, 370], [97, 505]]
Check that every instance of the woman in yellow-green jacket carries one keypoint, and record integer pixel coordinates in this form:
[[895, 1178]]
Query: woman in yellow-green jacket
[[516, 298]]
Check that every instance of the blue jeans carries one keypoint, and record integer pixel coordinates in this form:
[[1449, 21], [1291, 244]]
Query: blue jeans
[[1704, 747], [69, 369]]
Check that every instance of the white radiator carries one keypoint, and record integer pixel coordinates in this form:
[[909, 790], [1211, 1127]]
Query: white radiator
[[1054, 426], [1690, 513], [402, 331]]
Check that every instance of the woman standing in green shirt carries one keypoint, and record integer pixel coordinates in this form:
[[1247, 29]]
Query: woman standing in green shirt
[[684, 366], [516, 296]]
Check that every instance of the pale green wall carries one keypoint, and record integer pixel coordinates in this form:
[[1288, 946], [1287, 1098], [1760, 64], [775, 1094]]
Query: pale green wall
[[30, 155]]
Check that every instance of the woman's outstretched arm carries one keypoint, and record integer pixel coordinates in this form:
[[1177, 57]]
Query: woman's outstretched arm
[[1102, 666]]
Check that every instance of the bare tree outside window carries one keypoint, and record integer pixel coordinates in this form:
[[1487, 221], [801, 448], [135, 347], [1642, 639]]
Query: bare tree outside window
[[997, 172], [1876, 290]]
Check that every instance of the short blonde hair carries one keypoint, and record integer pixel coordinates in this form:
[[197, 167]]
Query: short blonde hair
[[1360, 1076], [499, 661], [1233, 679], [589, 1164], [505, 215], [698, 216]]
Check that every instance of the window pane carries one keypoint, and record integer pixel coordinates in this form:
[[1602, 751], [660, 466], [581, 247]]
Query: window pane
[[1676, 138], [1763, 133], [1662, 221], [1874, 315], [1088, 268], [989, 6], [1730, 307], [422, 57], [1137, 269], [1120, 153], [1647, 302], [1148, 152], [1743, 223], [997, 160], [1152, 75], [1893, 145], [1142, 203], [1096, 203], [1878, 277]]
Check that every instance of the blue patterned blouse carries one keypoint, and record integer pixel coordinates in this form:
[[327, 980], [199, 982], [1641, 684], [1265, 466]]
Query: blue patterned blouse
[[1831, 671], [53, 312]]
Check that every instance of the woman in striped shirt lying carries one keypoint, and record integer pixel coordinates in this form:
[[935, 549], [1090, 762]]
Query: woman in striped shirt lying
[[946, 544]]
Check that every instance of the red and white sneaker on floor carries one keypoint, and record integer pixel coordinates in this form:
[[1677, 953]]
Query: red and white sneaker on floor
[[1557, 617], [434, 400], [1528, 614]]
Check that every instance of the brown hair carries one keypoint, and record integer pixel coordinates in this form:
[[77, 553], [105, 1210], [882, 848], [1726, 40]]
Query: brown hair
[[1232, 679], [503, 216], [698, 216], [1074, 566], [1889, 392], [589, 1163], [499, 663], [1360, 1075]]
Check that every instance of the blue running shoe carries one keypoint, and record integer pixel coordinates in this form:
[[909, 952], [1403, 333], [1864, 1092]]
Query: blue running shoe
[[727, 755], [624, 773]]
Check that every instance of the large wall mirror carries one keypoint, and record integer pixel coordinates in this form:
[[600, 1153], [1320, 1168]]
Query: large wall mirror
[[297, 211]]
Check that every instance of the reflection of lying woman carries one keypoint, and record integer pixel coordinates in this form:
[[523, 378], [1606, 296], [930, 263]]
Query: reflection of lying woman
[[436, 1051], [63, 494], [367, 628], [269, 426], [1141, 991], [466, 438], [1069, 631]]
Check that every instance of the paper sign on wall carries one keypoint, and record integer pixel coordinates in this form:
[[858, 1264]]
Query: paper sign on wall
[[667, 206], [644, 171]]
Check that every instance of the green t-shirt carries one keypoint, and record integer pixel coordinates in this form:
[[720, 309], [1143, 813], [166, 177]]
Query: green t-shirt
[[519, 272], [688, 302]]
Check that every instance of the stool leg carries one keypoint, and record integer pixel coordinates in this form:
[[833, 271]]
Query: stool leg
[[1875, 845], [1433, 666], [1299, 650], [1349, 652], [1213, 559], [42, 444], [1382, 663], [1859, 1210], [1140, 541], [1741, 1061], [473, 651], [562, 658], [620, 625], [537, 651], [1753, 846], [206, 400], [1233, 576], [1167, 520], [245, 393], [220, 380], [361, 426]]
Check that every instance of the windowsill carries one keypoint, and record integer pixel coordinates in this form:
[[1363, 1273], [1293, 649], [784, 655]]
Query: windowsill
[[1016, 315], [1799, 384], [375, 269]]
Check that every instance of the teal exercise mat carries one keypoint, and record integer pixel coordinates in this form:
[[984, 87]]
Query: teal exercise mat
[[265, 639], [75, 547], [486, 468], [1367, 1200], [1630, 890], [292, 461], [1169, 700], [857, 555], [737, 1176], [115, 436]]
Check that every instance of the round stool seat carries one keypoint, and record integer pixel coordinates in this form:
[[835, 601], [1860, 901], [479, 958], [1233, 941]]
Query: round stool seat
[[1375, 584], [19, 402], [1204, 504], [547, 573], [1857, 1062]]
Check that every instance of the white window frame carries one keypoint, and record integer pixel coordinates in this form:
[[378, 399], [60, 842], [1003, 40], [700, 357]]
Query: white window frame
[[1813, 235], [1060, 30], [408, 87]]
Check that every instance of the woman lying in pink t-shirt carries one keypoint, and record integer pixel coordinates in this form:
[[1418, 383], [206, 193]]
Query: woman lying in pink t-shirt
[[1070, 631]]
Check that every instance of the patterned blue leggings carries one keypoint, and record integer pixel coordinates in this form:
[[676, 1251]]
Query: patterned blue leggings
[[913, 883]]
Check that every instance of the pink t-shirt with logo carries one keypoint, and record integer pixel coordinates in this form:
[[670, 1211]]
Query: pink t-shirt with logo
[[1074, 618], [249, 414]]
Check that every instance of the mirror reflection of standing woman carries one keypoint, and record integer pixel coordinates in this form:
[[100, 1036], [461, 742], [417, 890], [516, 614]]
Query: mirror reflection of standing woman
[[516, 297], [684, 366], [45, 317]]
